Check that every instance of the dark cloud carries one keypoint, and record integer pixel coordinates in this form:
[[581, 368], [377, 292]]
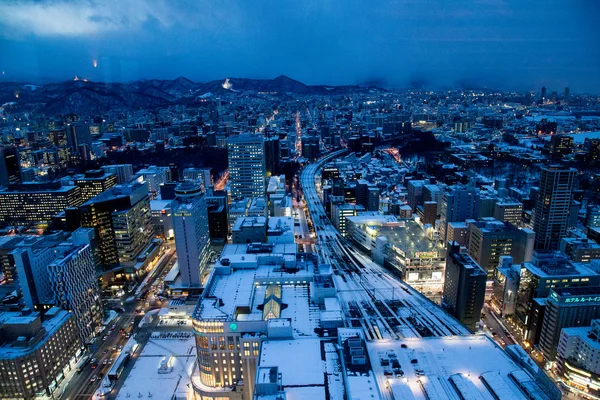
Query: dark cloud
[[507, 44]]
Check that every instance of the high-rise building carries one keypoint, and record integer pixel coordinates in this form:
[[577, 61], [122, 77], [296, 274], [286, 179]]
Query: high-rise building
[[200, 175], [464, 287], [155, 176], [567, 94], [10, 170], [560, 146], [580, 250], [192, 240], [35, 351], [34, 203], [553, 205], [162, 218], [509, 211], [415, 192], [79, 139], [578, 356], [122, 219], [272, 155], [124, 172], [546, 271], [488, 240], [592, 148], [246, 166], [543, 95], [92, 183], [55, 270], [459, 203], [567, 308]]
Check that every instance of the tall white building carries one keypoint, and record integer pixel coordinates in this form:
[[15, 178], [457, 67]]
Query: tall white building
[[247, 169], [192, 241]]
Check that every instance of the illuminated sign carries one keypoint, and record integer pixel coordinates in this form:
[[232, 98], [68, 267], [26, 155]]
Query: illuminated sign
[[233, 326], [581, 299], [426, 254]]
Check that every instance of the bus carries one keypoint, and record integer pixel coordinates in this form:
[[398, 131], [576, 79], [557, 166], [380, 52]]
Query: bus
[[82, 363], [117, 368]]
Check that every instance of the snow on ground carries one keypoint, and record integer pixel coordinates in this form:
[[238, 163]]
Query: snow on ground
[[144, 380]]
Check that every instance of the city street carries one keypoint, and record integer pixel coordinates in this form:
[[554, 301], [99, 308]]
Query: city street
[[105, 349]]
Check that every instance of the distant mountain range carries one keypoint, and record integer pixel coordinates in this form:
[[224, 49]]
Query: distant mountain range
[[86, 97]]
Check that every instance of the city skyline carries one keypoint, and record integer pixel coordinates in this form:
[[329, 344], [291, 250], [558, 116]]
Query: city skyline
[[495, 44]]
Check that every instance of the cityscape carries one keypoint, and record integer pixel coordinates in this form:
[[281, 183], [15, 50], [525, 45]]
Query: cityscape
[[274, 238]]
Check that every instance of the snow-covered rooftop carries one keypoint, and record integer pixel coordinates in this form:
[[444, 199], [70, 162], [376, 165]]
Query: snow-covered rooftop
[[144, 381], [451, 367]]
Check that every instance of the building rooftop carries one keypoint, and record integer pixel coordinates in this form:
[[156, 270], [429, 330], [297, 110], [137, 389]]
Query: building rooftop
[[54, 319], [448, 368], [171, 382]]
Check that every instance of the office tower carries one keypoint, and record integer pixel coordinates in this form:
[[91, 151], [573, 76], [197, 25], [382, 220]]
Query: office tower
[[506, 286], [272, 155], [310, 147], [485, 206], [427, 212], [35, 203], [567, 94], [415, 193], [567, 308], [200, 175], [122, 220], [79, 139], [218, 217], [162, 218], [8, 274], [155, 176], [458, 204], [509, 211], [35, 350], [190, 222], [552, 206], [339, 212], [92, 183], [489, 240], [578, 355], [560, 146], [124, 172], [592, 148], [547, 270], [543, 95], [218, 224], [554, 97], [464, 287], [10, 170], [58, 271], [246, 166]]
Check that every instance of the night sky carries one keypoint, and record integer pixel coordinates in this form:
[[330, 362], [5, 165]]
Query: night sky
[[520, 44]]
